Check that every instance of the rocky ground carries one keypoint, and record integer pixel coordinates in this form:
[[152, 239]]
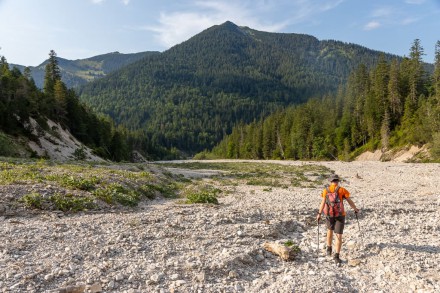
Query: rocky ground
[[165, 246]]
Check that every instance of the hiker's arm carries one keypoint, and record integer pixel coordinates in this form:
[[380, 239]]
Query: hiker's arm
[[353, 206], [321, 207]]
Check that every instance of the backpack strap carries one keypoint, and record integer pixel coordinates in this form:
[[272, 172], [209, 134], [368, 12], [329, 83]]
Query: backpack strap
[[337, 192], [327, 200]]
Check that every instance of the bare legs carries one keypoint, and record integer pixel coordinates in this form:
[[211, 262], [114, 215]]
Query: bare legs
[[338, 243]]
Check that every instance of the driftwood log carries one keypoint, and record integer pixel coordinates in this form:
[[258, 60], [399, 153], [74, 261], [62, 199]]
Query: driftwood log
[[286, 253]]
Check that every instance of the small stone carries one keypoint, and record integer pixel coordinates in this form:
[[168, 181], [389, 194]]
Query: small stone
[[111, 284], [131, 278], [156, 278], [233, 274], [200, 277], [73, 289], [48, 277], [311, 273], [354, 262], [174, 277], [259, 257], [179, 283], [13, 287], [119, 277], [351, 244], [240, 233], [96, 287]]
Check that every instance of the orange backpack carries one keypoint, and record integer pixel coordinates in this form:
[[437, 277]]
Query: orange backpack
[[334, 206]]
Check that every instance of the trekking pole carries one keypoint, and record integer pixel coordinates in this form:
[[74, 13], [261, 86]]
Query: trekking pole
[[318, 240], [359, 227]]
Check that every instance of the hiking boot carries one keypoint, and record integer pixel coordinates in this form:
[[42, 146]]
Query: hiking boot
[[337, 259], [329, 250]]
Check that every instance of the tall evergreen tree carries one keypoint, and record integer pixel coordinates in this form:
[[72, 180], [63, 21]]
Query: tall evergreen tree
[[416, 72], [60, 96], [394, 93], [436, 77], [52, 73]]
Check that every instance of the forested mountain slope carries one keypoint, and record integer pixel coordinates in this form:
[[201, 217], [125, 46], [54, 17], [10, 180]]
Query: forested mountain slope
[[32, 121], [80, 71], [386, 108], [189, 96]]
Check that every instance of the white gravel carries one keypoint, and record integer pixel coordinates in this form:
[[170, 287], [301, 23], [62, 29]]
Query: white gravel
[[165, 246]]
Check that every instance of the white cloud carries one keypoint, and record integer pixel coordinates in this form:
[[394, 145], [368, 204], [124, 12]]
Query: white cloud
[[175, 27], [372, 25], [306, 10], [409, 20], [383, 12], [417, 2], [125, 2], [388, 16], [97, 1]]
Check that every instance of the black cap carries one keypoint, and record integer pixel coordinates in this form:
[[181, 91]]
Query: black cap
[[333, 177]]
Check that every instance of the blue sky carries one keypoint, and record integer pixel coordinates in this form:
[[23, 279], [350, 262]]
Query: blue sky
[[78, 29]]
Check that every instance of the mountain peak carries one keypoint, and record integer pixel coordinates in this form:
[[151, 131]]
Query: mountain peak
[[229, 24]]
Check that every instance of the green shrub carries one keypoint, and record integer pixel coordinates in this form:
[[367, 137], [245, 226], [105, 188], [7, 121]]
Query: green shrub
[[263, 182], [207, 194], [33, 200], [435, 147], [293, 247], [150, 190], [70, 202], [116, 193], [80, 154], [79, 183]]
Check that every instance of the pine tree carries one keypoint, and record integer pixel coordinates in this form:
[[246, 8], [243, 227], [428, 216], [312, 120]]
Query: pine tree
[[416, 71], [385, 131], [60, 95], [394, 93], [376, 102], [52, 73], [436, 77]]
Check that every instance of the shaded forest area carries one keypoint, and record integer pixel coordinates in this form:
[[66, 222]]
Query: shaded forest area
[[20, 99]]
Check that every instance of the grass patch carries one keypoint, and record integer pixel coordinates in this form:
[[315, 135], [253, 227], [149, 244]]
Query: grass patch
[[204, 194], [116, 184], [262, 174], [62, 202], [73, 182], [151, 190], [294, 247], [71, 203], [9, 147], [33, 200], [116, 193]]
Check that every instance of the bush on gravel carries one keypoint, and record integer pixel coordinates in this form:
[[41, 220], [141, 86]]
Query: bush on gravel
[[206, 194]]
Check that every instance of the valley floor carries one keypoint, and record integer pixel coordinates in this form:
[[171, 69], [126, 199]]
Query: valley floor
[[166, 246]]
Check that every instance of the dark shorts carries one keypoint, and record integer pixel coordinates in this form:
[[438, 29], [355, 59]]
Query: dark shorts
[[336, 224]]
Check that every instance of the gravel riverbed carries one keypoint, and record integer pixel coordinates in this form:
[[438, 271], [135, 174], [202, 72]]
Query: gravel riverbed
[[166, 246]]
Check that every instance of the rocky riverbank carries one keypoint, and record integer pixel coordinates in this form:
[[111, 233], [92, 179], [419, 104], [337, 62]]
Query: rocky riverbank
[[166, 246]]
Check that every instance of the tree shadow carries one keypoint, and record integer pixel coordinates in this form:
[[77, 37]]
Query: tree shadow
[[416, 248]]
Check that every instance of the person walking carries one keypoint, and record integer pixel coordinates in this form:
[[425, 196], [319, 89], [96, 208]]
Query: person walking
[[333, 207]]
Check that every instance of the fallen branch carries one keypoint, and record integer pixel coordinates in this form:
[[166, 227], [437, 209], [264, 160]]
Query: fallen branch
[[285, 252]]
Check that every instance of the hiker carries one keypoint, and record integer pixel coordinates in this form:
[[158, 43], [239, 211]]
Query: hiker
[[333, 207]]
